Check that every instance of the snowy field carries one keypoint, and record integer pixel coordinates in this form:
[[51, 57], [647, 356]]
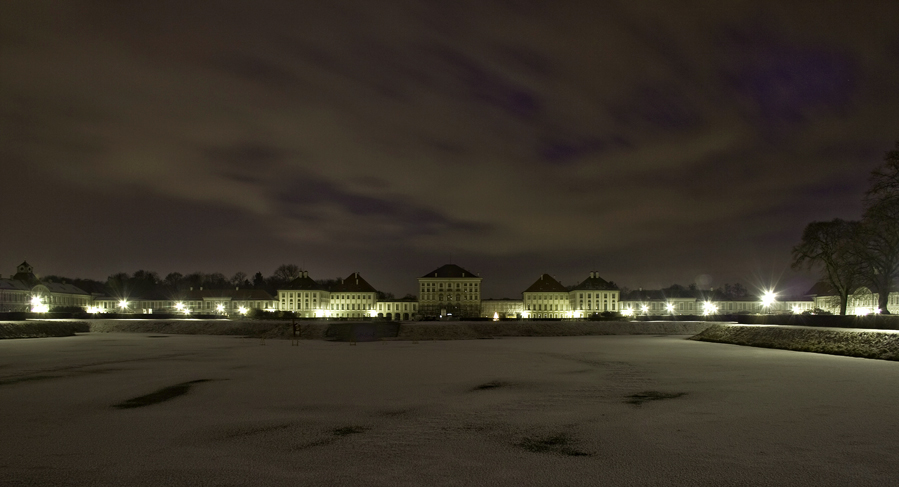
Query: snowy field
[[135, 409]]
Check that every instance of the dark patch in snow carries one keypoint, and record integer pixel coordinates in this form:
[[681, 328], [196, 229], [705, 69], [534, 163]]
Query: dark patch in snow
[[348, 430], [257, 430], [641, 397], [17, 380], [560, 444], [494, 384], [162, 395]]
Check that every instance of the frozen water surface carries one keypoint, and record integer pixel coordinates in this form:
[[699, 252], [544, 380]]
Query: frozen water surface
[[136, 409]]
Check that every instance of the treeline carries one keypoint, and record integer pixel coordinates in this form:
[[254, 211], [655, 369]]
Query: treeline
[[728, 291], [149, 284], [863, 253]]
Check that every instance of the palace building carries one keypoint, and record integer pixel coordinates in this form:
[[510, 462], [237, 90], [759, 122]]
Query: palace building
[[450, 291]]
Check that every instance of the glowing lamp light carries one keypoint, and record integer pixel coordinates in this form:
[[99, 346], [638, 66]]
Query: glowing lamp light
[[123, 304], [670, 307], [525, 314], [495, 316], [627, 312], [644, 309], [179, 306], [242, 310], [38, 305], [768, 298], [862, 311], [797, 310], [708, 308], [220, 308], [93, 309], [373, 314]]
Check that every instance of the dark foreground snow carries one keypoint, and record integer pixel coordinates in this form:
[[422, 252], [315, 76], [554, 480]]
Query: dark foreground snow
[[137, 409]]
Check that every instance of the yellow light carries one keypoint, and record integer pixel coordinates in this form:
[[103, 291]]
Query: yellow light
[[373, 314], [179, 306], [628, 312], [708, 308], [525, 314], [220, 308], [242, 310], [862, 311], [186, 311], [797, 310], [123, 304], [645, 309], [38, 306], [768, 298], [670, 307]]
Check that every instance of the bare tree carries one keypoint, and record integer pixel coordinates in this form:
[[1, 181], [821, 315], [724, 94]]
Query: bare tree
[[286, 273], [239, 279], [832, 246], [884, 180], [879, 243]]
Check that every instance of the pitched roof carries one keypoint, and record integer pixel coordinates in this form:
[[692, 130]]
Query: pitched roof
[[353, 284], [13, 284], [821, 288], [546, 284], [594, 282], [304, 283], [56, 287], [450, 270]]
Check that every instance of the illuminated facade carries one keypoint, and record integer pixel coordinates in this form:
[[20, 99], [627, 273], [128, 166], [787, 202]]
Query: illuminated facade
[[547, 298], [861, 302], [25, 292], [397, 309], [594, 295], [450, 291], [305, 297], [502, 308], [352, 297]]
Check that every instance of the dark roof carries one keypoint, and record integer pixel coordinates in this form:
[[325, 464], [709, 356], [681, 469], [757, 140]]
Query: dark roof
[[353, 284], [595, 283], [304, 283], [56, 287], [450, 270], [13, 284], [546, 284], [234, 294], [821, 288]]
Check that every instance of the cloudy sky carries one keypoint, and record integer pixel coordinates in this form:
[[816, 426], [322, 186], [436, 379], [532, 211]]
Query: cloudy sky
[[654, 142]]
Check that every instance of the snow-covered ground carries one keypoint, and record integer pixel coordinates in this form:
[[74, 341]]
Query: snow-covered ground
[[512, 411]]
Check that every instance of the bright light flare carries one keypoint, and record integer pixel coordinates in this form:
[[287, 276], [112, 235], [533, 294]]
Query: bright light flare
[[628, 312], [123, 304], [768, 298], [670, 307], [220, 308], [38, 305], [242, 310], [797, 310], [644, 309], [709, 308], [495, 316]]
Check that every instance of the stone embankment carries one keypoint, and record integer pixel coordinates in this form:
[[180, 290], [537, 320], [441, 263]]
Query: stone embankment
[[878, 344]]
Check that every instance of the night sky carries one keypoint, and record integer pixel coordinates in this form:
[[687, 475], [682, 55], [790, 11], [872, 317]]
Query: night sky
[[678, 142]]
